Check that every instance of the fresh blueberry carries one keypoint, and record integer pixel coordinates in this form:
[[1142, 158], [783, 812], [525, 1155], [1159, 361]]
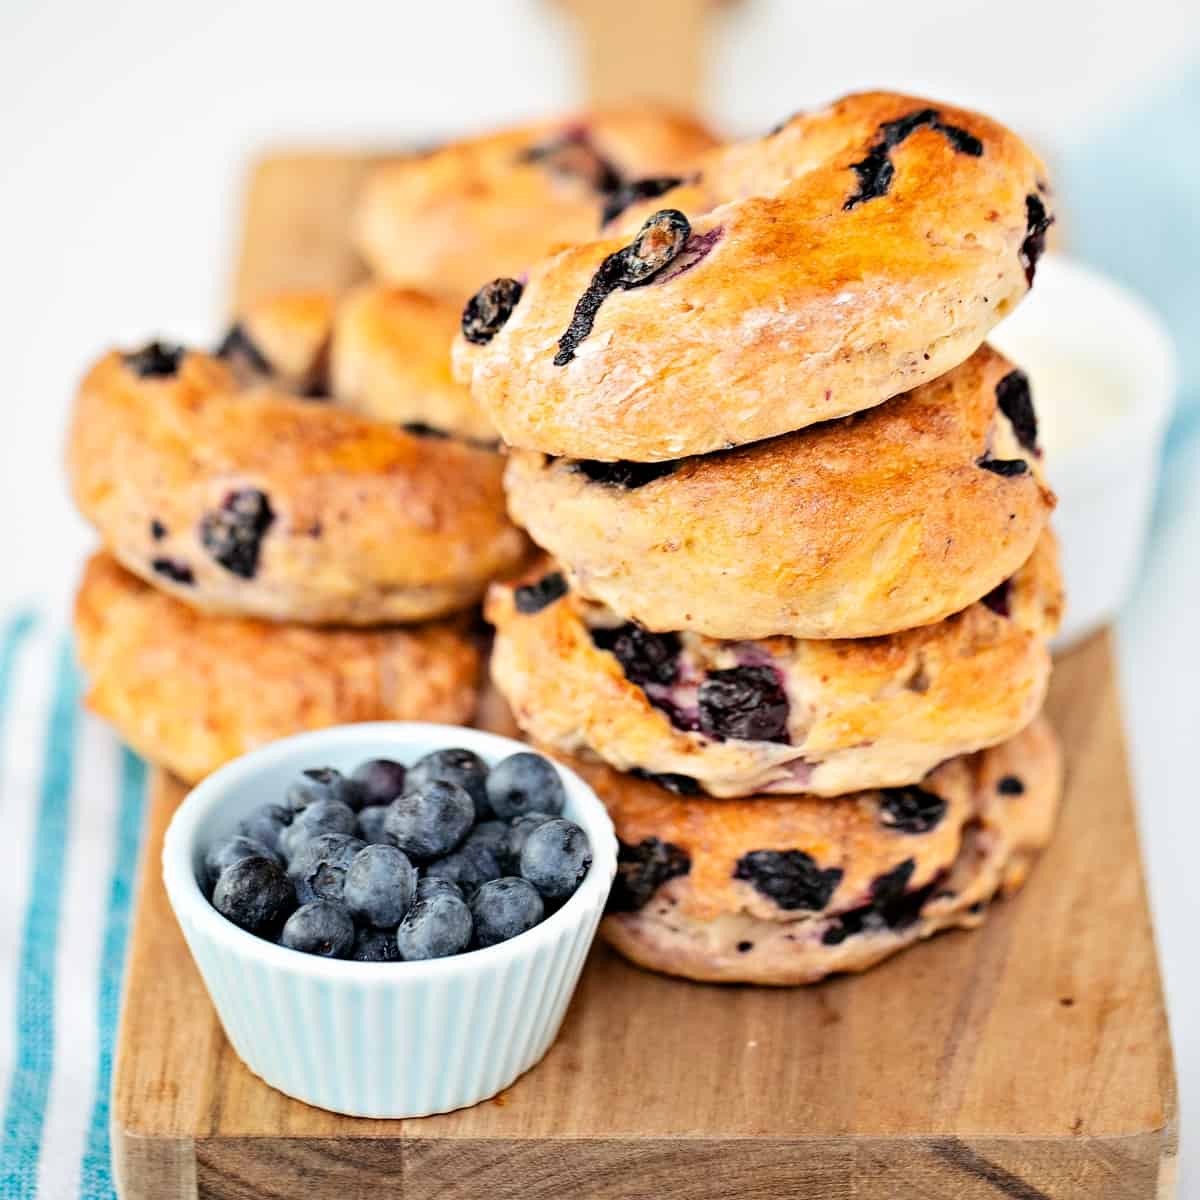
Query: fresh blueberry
[[325, 783], [455, 765], [375, 945], [266, 823], [325, 816], [320, 927], [255, 894], [504, 908], [437, 925], [435, 885], [431, 820], [318, 870], [519, 829], [469, 867], [555, 858], [370, 825], [379, 780], [379, 886], [525, 783], [225, 853]]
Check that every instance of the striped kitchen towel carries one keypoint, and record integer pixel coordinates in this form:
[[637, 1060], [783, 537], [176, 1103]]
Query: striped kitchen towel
[[71, 800]]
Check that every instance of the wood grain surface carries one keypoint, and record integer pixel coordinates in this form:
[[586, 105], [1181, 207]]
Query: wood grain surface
[[1029, 1059]]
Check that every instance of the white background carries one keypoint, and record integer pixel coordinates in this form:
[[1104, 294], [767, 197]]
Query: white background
[[125, 130]]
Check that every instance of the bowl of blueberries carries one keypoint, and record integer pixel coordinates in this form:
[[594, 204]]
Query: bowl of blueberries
[[390, 918]]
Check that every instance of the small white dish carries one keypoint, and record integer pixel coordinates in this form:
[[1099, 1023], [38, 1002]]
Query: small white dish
[[380, 1039], [1102, 367]]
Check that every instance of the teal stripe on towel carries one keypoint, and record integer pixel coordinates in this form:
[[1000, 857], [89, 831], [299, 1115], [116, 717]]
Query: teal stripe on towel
[[25, 1111]]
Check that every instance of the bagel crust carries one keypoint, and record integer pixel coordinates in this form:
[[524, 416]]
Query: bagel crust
[[191, 692], [853, 254], [239, 497], [865, 526], [788, 891], [865, 713], [472, 210]]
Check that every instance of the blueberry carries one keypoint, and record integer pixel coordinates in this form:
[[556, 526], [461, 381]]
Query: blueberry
[[156, 360], [379, 886], [255, 894], [504, 908], [525, 783], [621, 197], [469, 867], [1007, 468], [1037, 222], [1010, 785], [454, 765], [531, 598], [325, 816], [745, 703], [226, 852], [379, 780], [324, 783], [238, 348], [320, 927], [626, 475], [435, 885], [173, 569], [555, 858], [999, 598], [681, 785], [375, 945], [519, 828], [318, 870], [233, 533], [642, 870], [431, 820], [266, 823], [370, 825], [791, 878], [489, 309], [437, 925], [1015, 399], [911, 809], [645, 657]]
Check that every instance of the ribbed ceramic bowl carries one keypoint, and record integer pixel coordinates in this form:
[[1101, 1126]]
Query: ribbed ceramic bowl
[[380, 1039]]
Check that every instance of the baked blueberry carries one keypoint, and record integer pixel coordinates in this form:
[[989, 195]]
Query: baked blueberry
[[791, 878], [1015, 398], [379, 886], [621, 197], [1037, 223], [233, 534], [378, 781], [998, 599], [226, 852], [238, 349], [745, 703], [519, 828], [504, 908], [887, 887], [318, 868], [454, 765], [324, 783], [525, 783], [487, 311], [325, 816], [174, 570], [370, 825], [255, 894], [531, 598], [430, 820], [645, 657], [642, 870], [437, 925], [266, 823], [320, 927], [681, 785], [155, 360], [1006, 467], [158, 530], [911, 809], [1010, 785], [375, 945], [555, 858], [621, 474]]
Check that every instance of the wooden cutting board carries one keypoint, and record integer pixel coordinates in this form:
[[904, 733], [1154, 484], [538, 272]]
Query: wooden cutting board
[[1027, 1060]]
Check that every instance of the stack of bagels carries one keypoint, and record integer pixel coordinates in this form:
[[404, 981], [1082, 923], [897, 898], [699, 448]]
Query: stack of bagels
[[793, 621]]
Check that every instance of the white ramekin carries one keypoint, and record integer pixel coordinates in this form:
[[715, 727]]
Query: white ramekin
[[380, 1039], [1107, 480]]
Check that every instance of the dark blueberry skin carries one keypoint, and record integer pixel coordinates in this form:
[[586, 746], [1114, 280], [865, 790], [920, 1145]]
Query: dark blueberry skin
[[468, 868], [370, 825], [326, 783], [745, 703], [789, 877], [642, 870], [379, 886], [225, 853], [533, 597], [233, 534], [891, 907], [238, 348], [375, 945], [620, 198], [320, 927], [174, 570], [378, 781], [431, 820], [625, 475], [436, 885], [266, 823], [1006, 467], [1015, 398], [681, 785], [318, 869], [519, 828], [555, 858], [999, 597], [911, 809], [645, 657], [437, 925], [489, 309], [156, 360], [158, 530], [525, 783], [1037, 222], [325, 816], [454, 765], [1010, 785], [255, 894], [505, 908]]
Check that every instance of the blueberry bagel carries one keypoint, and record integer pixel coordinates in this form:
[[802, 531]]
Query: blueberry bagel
[[211, 477], [787, 891], [777, 715], [890, 519], [489, 206], [191, 692], [853, 254]]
